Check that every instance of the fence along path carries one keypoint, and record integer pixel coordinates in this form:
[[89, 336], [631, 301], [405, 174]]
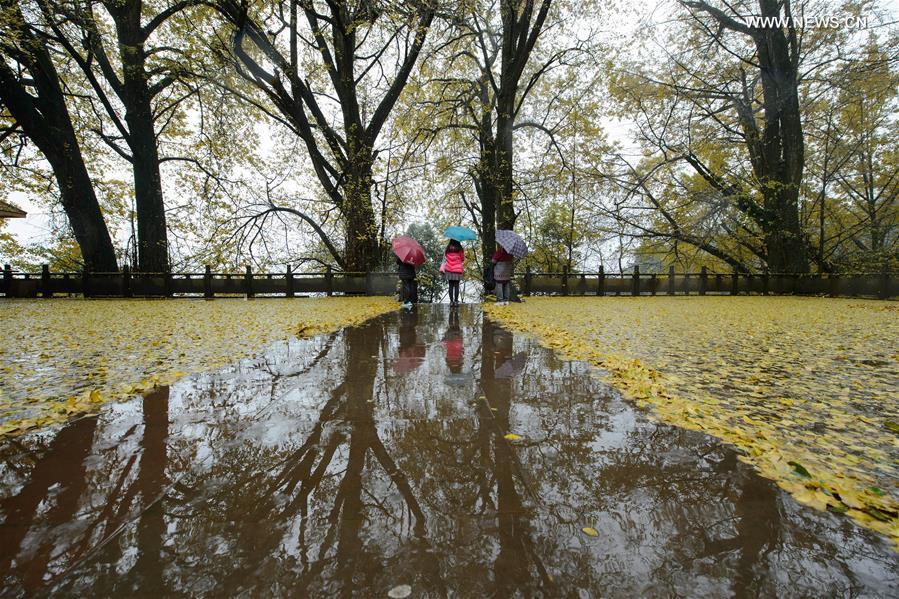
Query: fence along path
[[880, 285], [206, 284], [289, 284]]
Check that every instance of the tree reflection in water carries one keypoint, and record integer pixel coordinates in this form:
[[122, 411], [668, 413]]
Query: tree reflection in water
[[376, 457]]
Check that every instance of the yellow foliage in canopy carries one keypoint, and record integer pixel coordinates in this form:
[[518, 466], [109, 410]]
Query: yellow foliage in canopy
[[805, 388], [67, 356]]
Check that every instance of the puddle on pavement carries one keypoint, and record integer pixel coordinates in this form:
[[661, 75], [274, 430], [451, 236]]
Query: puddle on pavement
[[376, 457]]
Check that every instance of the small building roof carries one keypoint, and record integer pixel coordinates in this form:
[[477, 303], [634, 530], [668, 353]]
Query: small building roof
[[7, 210]]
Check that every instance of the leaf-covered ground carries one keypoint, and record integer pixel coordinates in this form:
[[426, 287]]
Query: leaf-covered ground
[[807, 388], [65, 356]]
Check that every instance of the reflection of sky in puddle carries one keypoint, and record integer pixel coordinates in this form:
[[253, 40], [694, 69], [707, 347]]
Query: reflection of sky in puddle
[[368, 459]]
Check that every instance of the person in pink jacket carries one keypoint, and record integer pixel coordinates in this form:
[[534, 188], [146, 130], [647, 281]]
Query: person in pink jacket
[[453, 267]]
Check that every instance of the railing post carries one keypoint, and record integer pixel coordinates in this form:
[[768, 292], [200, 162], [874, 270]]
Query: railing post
[[248, 282], [636, 288], [601, 282], [833, 284], [207, 282], [45, 281], [7, 280], [564, 280], [288, 280], [652, 284], [734, 282], [671, 280], [885, 281], [86, 282], [703, 280], [527, 280], [126, 281], [748, 283], [167, 283], [766, 280], [329, 280]]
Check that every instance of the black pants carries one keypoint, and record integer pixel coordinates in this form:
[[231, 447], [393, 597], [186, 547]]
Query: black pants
[[454, 291], [409, 291]]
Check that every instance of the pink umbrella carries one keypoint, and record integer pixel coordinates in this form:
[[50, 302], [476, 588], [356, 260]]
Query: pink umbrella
[[408, 250], [410, 358]]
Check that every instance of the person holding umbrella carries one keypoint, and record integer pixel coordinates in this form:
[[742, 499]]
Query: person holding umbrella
[[509, 246], [409, 256], [454, 259]]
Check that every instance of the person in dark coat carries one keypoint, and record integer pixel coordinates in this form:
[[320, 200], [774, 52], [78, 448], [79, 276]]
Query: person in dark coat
[[406, 273]]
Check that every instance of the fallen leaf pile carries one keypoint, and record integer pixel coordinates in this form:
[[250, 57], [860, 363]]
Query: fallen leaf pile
[[63, 357], [805, 388]]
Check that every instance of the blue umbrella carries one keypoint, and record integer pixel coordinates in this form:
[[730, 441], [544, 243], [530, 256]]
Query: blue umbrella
[[460, 234]]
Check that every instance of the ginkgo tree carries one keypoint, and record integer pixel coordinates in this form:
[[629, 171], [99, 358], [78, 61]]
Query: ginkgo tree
[[332, 73], [722, 106]]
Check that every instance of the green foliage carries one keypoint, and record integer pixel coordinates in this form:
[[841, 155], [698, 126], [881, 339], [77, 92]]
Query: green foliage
[[430, 281], [556, 236], [59, 251]]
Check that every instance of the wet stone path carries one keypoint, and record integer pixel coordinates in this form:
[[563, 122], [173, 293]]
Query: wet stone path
[[377, 457]]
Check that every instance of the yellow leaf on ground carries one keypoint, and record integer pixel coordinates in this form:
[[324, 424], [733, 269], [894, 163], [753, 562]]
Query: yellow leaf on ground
[[77, 341], [799, 385]]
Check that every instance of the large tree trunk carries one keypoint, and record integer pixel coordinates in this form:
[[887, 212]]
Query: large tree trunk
[[152, 234], [487, 195], [136, 95], [494, 182], [361, 232], [776, 149], [785, 246], [488, 221], [80, 204], [780, 164], [342, 157], [502, 165], [521, 26]]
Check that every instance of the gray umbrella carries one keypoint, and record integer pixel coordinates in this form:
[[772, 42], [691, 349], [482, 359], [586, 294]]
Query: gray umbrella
[[510, 368], [512, 242]]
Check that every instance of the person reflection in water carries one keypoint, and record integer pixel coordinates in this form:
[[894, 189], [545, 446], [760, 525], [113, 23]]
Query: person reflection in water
[[411, 353], [455, 350]]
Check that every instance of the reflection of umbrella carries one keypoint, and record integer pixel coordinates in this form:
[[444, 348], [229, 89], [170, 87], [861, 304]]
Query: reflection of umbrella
[[512, 242], [511, 367], [460, 234], [410, 358], [455, 350], [408, 250]]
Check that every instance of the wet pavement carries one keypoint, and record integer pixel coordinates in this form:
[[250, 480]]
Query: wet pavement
[[377, 457]]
